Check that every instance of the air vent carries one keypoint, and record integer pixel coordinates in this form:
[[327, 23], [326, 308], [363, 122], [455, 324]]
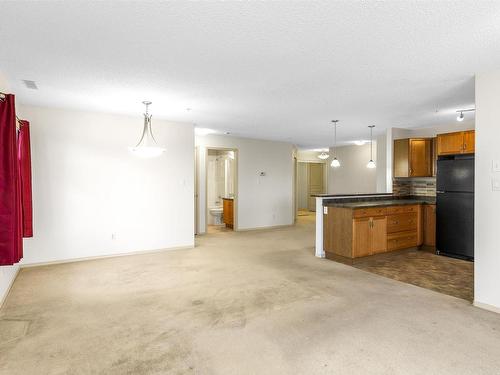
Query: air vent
[[30, 84]]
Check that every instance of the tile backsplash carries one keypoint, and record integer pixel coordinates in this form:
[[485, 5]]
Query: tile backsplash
[[425, 186]]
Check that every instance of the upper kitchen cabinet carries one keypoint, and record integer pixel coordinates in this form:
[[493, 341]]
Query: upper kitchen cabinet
[[456, 143], [413, 157]]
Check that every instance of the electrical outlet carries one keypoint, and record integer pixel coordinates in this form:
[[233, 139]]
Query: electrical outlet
[[113, 236], [495, 167]]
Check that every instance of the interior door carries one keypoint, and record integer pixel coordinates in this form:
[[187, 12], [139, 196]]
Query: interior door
[[316, 183], [420, 157], [379, 234], [361, 234]]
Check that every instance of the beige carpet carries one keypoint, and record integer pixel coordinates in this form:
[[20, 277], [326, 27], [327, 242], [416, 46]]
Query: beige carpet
[[240, 303]]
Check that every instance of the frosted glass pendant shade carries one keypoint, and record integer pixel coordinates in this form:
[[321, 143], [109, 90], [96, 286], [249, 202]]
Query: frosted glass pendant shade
[[335, 163], [147, 146], [371, 164], [323, 156]]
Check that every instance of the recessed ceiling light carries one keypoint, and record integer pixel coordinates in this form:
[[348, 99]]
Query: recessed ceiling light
[[203, 131], [30, 84]]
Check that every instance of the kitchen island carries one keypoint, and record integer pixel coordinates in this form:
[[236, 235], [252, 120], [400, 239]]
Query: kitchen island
[[354, 226]]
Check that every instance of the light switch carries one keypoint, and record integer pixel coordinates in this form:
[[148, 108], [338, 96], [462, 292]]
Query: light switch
[[495, 166], [495, 184], [325, 210]]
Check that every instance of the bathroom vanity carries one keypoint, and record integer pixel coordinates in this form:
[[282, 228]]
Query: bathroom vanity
[[228, 211]]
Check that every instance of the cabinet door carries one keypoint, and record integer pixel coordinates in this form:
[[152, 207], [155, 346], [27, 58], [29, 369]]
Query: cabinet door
[[361, 237], [420, 157], [227, 209], [450, 143], [430, 225], [379, 234], [469, 142], [401, 158]]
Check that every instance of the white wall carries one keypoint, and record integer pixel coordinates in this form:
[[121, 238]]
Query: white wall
[[7, 273], [456, 126], [487, 201], [262, 201], [352, 176], [87, 186]]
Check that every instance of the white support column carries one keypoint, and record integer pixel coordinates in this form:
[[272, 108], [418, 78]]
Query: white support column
[[320, 253]]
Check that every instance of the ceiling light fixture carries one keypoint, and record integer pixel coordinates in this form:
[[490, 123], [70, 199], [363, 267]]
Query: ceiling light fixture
[[323, 155], [460, 117], [335, 162], [371, 164], [359, 143], [147, 146]]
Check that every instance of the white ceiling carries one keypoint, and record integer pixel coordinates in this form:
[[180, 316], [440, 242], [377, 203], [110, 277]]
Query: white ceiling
[[272, 70]]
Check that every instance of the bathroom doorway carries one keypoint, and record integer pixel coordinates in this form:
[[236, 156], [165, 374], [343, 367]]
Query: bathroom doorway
[[221, 188]]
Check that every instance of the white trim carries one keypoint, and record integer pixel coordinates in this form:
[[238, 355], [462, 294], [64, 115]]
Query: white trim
[[73, 260], [486, 306], [264, 228], [7, 291]]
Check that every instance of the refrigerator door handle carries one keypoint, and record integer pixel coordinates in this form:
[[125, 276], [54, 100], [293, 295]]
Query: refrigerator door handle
[[439, 192]]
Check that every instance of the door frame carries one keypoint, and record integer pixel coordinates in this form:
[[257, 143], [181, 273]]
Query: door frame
[[325, 179], [235, 177]]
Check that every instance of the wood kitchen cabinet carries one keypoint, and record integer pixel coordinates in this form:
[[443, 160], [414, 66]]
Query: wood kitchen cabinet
[[456, 143], [351, 233], [228, 212], [413, 157], [369, 236], [429, 225]]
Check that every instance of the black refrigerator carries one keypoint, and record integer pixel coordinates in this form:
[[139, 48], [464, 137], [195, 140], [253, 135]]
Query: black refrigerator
[[455, 206]]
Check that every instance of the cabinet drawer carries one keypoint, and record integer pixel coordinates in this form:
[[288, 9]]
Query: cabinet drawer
[[402, 209], [369, 212], [402, 222], [401, 240]]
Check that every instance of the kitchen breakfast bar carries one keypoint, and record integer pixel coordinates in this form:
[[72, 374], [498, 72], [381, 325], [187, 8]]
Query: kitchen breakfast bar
[[355, 226]]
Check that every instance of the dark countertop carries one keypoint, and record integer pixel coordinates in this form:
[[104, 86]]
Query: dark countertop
[[349, 195], [392, 202], [379, 201]]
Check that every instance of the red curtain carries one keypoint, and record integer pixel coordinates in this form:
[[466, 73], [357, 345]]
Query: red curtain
[[24, 158], [11, 226]]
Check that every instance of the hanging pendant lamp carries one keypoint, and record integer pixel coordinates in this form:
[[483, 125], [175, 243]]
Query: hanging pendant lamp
[[371, 164], [335, 162], [147, 146]]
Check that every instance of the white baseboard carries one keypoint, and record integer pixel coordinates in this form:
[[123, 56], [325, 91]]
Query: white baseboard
[[264, 228], [9, 287], [486, 306], [72, 260]]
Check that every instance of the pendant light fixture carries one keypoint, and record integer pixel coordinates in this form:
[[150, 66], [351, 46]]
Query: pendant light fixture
[[147, 146], [335, 162], [371, 164]]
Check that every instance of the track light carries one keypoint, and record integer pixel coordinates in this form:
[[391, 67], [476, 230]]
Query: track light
[[461, 117]]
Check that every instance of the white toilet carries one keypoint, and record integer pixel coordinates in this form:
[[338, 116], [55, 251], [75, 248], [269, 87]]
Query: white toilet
[[216, 213]]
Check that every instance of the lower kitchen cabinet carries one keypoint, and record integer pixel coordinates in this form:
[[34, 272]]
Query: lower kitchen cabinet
[[430, 225], [355, 233], [369, 236]]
